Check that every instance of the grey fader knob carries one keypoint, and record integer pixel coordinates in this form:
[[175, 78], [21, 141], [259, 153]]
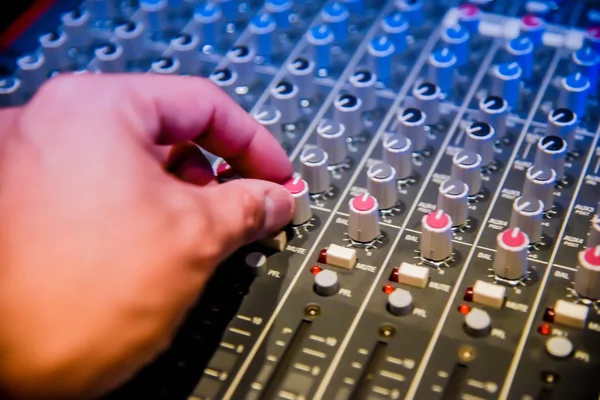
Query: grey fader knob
[[512, 249], [594, 235], [466, 167], [551, 153], [400, 302], [381, 183], [539, 183], [302, 71], [270, 118], [240, 60], [226, 79], [314, 170], [326, 283], [563, 122], [363, 222], [453, 200], [527, 214], [285, 99], [397, 152], [436, 236], [331, 137], [480, 138], [478, 323], [363, 87], [348, 112], [298, 188], [428, 97], [411, 123], [494, 111]]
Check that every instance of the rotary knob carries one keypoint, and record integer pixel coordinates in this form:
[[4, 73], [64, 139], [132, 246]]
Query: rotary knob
[[480, 139], [185, 49], [298, 188], [466, 167], [166, 66], [348, 112], [270, 118], [551, 153], [594, 235], [574, 91], [428, 97], [457, 38], [527, 214], [240, 60], [397, 152], [442, 64], [436, 236], [411, 123], [453, 200], [494, 111], [285, 99], [326, 283], [331, 137], [110, 58], [400, 302], [512, 249], [562, 122], [363, 87], [587, 278], [539, 183], [381, 183], [363, 223], [314, 170], [302, 71], [506, 82], [226, 79]]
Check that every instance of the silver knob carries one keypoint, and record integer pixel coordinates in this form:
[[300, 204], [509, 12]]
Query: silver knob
[[110, 58], [436, 236], [326, 283], [400, 302], [453, 200], [240, 60], [298, 188], [314, 170], [302, 71], [348, 112], [539, 183], [363, 222], [54, 48], [331, 137], [76, 26], [32, 71], [466, 167], [411, 123], [397, 152], [363, 87], [428, 97], [10, 92], [185, 49], [587, 277], [527, 214], [551, 153], [226, 79], [512, 250], [285, 99], [563, 122], [131, 36], [494, 111], [480, 139], [381, 183], [270, 118], [166, 65]]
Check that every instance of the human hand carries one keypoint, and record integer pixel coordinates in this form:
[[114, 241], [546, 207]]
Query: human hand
[[101, 250]]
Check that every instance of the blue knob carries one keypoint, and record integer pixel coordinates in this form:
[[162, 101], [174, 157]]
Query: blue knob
[[321, 37], [281, 10], [356, 7], [573, 93], [521, 50], [412, 10], [208, 16], [592, 38], [263, 26], [533, 27], [506, 82], [442, 64], [396, 27], [469, 16], [381, 50], [336, 16], [156, 14], [587, 61], [457, 39], [230, 9]]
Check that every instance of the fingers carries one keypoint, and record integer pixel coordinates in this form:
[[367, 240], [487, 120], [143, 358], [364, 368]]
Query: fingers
[[188, 163], [168, 110]]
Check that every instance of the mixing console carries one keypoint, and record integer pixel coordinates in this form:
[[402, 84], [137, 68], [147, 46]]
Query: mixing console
[[446, 242]]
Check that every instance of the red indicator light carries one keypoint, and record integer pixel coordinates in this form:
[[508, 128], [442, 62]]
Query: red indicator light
[[394, 275], [468, 294], [315, 269], [464, 309], [545, 329], [549, 315], [387, 289], [322, 256]]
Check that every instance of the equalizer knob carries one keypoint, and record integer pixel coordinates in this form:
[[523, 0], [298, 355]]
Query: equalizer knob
[[512, 250], [480, 139], [321, 37], [527, 214], [494, 111], [270, 118], [336, 15], [31, 71], [326, 283], [436, 236], [551, 153], [130, 35], [363, 87], [521, 50], [396, 27], [458, 39], [314, 170], [594, 234], [411, 123], [263, 26], [54, 47], [412, 10], [285, 98], [110, 58], [240, 60], [453, 200], [226, 79], [506, 82], [587, 61], [397, 152], [348, 111], [363, 222], [381, 184], [302, 71], [298, 188], [539, 183], [428, 97], [574, 91], [587, 277], [563, 122], [331, 137], [381, 51], [185, 49], [466, 167], [441, 66]]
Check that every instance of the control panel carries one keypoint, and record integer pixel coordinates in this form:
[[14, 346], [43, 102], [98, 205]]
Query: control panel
[[446, 239]]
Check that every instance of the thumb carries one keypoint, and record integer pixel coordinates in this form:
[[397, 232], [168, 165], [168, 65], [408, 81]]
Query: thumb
[[238, 212]]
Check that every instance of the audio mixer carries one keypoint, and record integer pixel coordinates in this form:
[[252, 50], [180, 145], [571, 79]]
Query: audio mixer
[[446, 239]]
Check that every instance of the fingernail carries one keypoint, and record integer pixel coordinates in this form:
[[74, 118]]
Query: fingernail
[[279, 209]]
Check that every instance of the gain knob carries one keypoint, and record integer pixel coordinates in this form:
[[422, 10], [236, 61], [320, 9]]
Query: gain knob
[[314, 170], [442, 64], [298, 188], [466, 167], [551, 153], [587, 277], [363, 87], [458, 40], [494, 111], [363, 222], [381, 184], [326, 283], [331, 137], [270, 118], [539, 184], [397, 152], [285, 99], [527, 214], [348, 112], [574, 91], [428, 97], [302, 71], [512, 249], [226, 79], [240, 60], [411, 123], [480, 139], [436, 236], [506, 82], [453, 200], [562, 122]]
